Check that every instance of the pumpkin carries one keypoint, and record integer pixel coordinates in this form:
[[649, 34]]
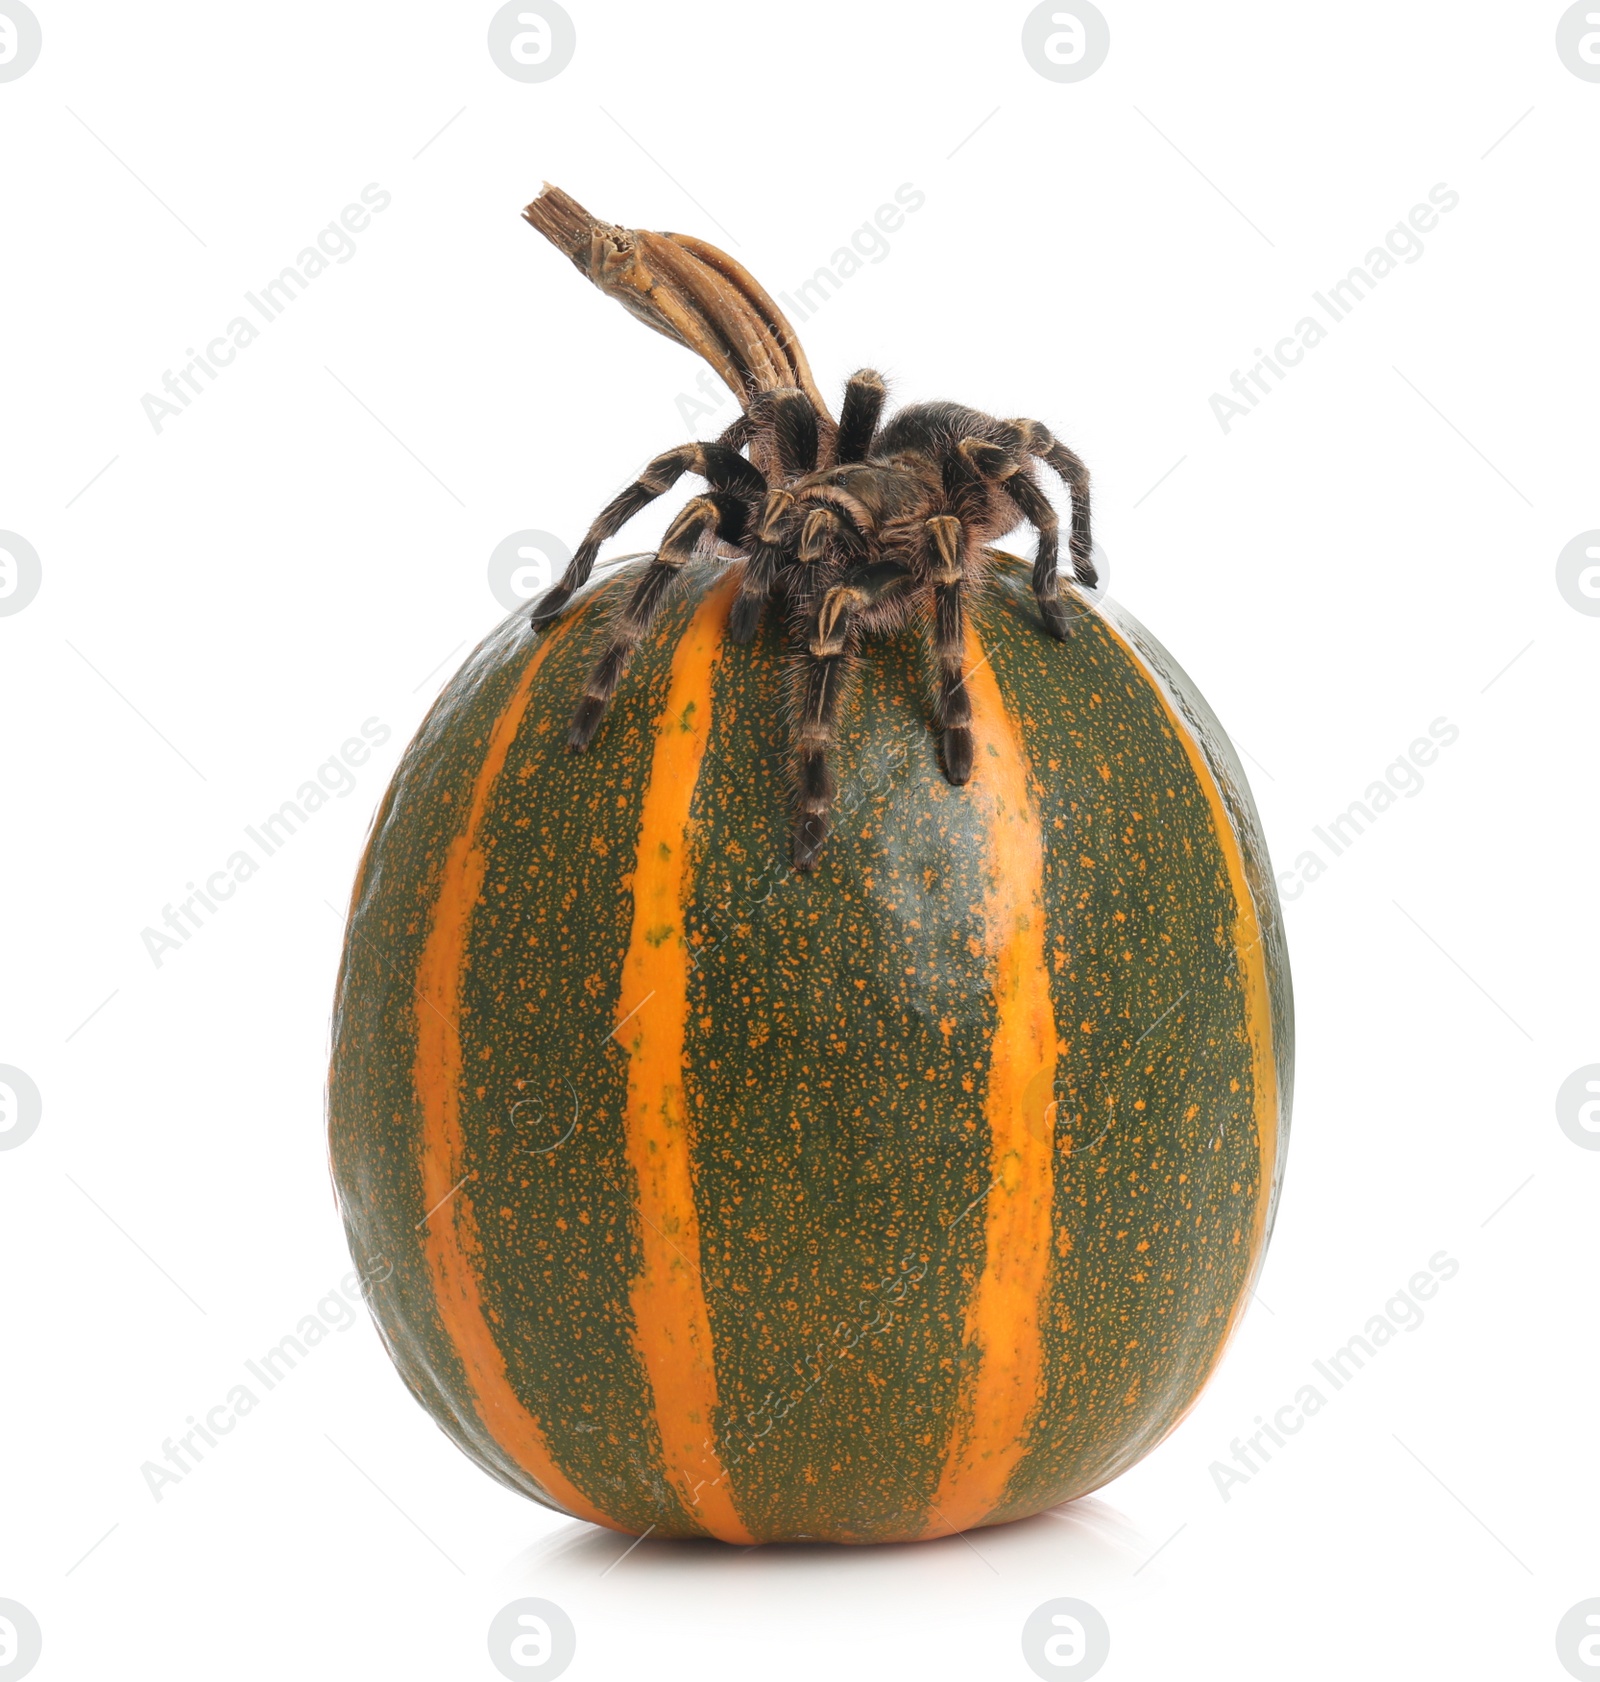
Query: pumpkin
[[918, 1192]]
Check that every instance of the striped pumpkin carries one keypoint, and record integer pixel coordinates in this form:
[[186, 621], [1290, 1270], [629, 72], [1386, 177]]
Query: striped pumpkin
[[916, 1194]]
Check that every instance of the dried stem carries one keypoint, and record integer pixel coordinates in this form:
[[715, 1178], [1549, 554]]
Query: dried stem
[[689, 291]]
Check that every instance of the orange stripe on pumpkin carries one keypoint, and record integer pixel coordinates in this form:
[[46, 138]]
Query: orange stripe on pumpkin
[[672, 1327], [451, 1240], [1003, 1315]]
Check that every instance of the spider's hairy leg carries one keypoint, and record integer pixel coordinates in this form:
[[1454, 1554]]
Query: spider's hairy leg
[[788, 416], [723, 469], [820, 540], [968, 472], [1034, 506], [966, 490], [864, 395], [998, 464], [1038, 440], [830, 644], [822, 529], [991, 460], [766, 556], [718, 512], [945, 563], [736, 434], [819, 531]]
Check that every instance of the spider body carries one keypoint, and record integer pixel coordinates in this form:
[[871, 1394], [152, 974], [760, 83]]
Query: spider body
[[851, 530]]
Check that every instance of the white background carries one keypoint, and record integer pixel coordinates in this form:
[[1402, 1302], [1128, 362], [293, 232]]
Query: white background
[[231, 597]]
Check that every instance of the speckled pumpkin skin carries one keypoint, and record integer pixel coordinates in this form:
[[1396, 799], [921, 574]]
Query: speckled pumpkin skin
[[919, 1193]]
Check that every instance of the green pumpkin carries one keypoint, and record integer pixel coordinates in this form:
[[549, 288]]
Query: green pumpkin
[[920, 1192]]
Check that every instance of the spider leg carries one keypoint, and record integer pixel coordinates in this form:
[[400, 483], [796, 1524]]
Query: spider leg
[[736, 434], [858, 415], [820, 530], [996, 463], [945, 559], [787, 414], [720, 513], [826, 659], [723, 469], [1034, 506], [827, 524], [766, 556], [810, 536], [1038, 440]]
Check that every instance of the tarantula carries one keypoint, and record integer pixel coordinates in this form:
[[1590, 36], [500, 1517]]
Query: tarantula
[[852, 528]]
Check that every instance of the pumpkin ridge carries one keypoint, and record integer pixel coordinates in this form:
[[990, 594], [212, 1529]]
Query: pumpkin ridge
[[672, 1327], [451, 1239], [1004, 1311], [1249, 940]]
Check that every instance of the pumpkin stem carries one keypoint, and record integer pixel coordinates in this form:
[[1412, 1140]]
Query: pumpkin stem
[[688, 290]]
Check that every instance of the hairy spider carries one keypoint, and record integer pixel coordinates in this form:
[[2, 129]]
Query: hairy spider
[[850, 528]]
